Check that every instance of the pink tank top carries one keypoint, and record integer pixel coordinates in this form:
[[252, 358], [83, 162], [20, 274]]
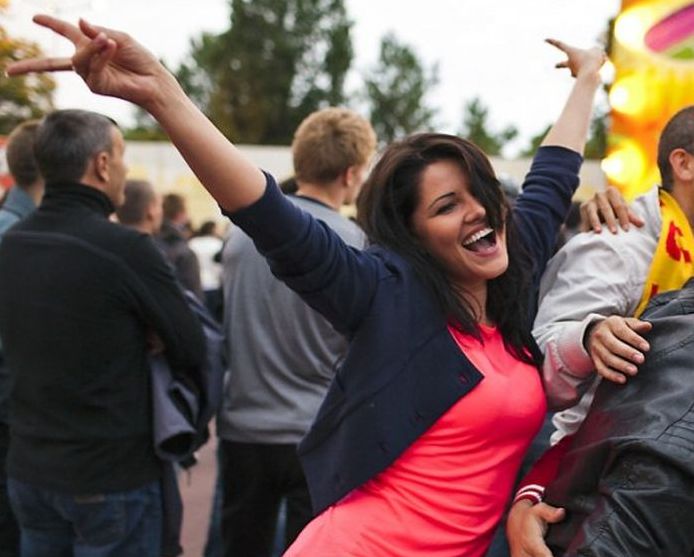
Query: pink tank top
[[445, 495]]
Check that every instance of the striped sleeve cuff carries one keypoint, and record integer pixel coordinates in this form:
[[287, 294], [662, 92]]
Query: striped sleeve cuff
[[532, 493]]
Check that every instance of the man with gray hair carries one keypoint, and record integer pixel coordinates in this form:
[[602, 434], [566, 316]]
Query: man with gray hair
[[78, 294], [21, 200]]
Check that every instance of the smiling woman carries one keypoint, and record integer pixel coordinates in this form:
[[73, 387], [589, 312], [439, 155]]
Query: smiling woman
[[415, 448]]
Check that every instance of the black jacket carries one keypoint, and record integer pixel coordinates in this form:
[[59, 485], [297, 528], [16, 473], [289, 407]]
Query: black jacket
[[78, 295], [627, 483], [184, 261]]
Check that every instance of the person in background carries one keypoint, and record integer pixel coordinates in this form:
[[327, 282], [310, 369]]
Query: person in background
[[142, 208], [207, 245], [438, 309], [173, 240], [20, 202], [77, 293]]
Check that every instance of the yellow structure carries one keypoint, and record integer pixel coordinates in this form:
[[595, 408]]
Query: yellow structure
[[653, 56]]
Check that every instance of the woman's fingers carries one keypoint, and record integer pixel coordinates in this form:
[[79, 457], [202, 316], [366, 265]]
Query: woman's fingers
[[91, 31], [104, 56], [558, 44], [85, 59], [67, 30], [39, 65]]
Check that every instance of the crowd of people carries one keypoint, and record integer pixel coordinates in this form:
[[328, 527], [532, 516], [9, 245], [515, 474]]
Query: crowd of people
[[385, 377]]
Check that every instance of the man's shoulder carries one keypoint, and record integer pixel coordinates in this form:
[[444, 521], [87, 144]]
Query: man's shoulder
[[115, 240], [636, 238], [345, 227]]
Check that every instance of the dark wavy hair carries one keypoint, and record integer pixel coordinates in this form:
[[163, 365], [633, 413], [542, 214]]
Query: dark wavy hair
[[385, 208]]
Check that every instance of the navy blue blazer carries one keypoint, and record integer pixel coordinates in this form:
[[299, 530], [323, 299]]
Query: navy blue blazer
[[403, 369]]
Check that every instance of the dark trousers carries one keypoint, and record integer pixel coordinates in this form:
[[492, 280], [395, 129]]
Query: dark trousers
[[122, 524], [9, 530], [255, 479]]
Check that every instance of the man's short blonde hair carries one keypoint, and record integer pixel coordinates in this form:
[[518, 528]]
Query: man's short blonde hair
[[328, 142]]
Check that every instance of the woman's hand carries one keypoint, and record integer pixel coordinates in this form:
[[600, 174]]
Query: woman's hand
[[110, 62], [616, 346], [113, 63], [610, 207], [527, 526], [580, 61]]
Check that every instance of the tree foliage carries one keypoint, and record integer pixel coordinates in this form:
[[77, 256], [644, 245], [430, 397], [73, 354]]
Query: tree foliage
[[21, 97], [476, 129], [596, 146], [145, 128], [395, 90], [279, 61]]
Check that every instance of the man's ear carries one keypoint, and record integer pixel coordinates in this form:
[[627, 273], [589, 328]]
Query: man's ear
[[101, 165], [682, 164], [350, 175]]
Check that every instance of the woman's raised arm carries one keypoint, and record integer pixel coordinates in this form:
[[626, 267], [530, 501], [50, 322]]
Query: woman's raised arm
[[112, 63]]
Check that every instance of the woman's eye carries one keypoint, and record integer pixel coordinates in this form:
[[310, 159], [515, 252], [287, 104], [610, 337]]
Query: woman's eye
[[443, 209]]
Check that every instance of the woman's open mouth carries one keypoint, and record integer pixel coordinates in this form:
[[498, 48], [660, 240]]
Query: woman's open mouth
[[481, 241]]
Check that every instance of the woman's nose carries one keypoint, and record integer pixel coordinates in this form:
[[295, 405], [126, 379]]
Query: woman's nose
[[475, 210]]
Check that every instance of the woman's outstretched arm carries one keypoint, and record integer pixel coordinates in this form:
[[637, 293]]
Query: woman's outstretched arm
[[112, 63]]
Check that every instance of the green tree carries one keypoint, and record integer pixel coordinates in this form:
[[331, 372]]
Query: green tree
[[476, 129], [22, 97], [534, 143], [395, 90], [279, 61], [596, 146], [145, 128]]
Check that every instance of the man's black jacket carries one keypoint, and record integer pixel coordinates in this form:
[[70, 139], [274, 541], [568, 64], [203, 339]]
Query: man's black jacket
[[78, 298], [628, 481]]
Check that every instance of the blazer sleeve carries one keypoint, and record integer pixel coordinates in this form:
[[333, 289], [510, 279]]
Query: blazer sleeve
[[545, 200], [335, 279]]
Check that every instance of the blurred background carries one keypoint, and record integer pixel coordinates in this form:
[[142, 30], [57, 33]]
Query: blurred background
[[478, 68]]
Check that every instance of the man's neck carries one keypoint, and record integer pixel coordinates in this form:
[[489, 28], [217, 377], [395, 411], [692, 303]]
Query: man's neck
[[329, 194], [684, 195], [142, 227], [35, 192]]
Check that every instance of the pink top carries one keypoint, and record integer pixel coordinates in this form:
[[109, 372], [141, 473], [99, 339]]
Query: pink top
[[445, 495]]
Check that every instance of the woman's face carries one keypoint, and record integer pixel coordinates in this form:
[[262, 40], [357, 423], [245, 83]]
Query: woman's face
[[452, 225]]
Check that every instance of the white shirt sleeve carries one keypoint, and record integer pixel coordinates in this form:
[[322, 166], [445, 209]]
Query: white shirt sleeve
[[593, 276]]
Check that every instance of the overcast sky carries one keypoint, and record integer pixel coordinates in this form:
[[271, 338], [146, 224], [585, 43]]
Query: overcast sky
[[493, 49]]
